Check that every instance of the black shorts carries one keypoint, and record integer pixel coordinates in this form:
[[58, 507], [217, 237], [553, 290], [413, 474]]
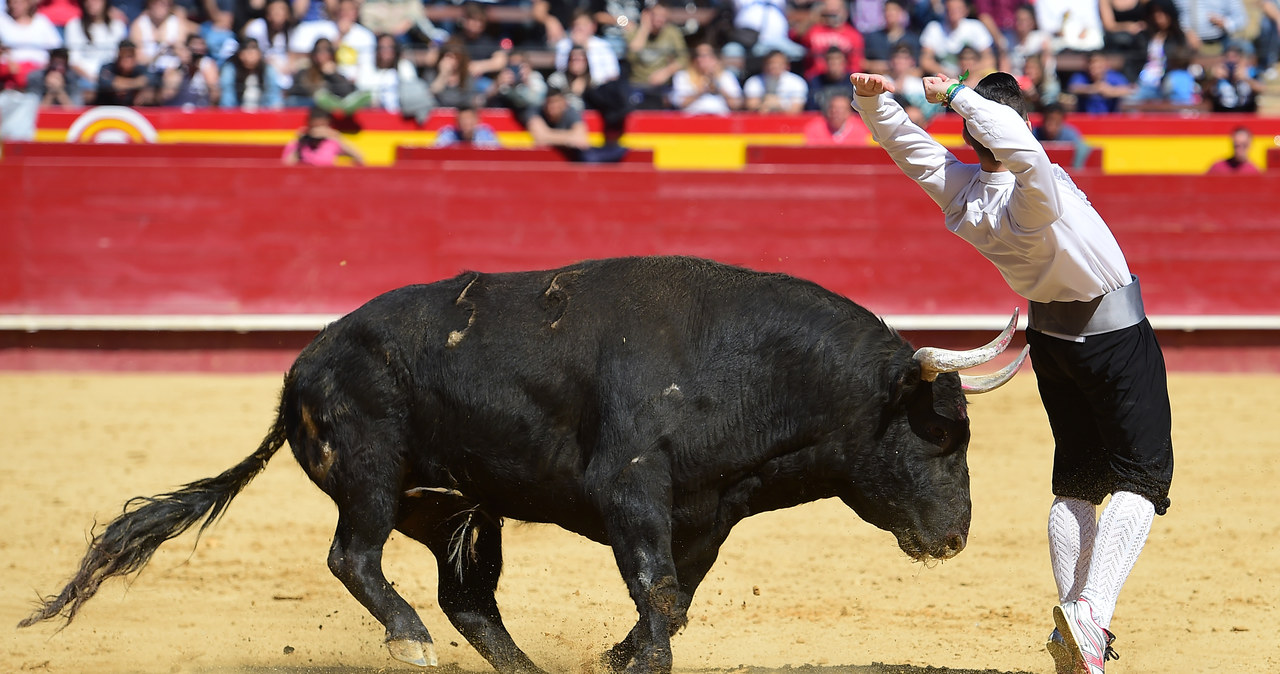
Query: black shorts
[[1108, 404]]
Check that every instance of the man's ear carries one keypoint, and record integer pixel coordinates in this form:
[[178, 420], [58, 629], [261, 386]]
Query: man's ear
[[1029, 127]]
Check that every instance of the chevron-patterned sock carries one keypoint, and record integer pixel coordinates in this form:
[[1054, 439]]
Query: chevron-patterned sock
[[1122, 531], [1072, 528]]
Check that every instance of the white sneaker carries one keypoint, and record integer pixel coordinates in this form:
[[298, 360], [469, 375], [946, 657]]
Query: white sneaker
[[1062, 660], [1087, 643]]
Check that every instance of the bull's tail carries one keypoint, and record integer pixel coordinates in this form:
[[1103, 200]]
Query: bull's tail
[[129, 541]]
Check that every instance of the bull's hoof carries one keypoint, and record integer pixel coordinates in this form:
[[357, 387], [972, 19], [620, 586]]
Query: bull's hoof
[[419, 653]]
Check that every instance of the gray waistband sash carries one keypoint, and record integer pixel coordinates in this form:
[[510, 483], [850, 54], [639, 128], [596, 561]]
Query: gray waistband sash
[[1120, 308]]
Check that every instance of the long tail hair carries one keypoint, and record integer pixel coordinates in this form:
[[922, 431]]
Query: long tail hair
[[129, 541]]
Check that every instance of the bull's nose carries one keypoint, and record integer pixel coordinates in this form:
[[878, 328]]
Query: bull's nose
[[955, 543]]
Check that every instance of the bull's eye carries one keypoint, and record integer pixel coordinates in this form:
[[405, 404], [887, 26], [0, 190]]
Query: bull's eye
[[937, 435]]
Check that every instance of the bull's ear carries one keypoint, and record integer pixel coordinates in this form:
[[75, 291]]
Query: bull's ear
[[901, 377]]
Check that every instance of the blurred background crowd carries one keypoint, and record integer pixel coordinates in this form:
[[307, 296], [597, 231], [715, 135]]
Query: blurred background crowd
[[555, 58]]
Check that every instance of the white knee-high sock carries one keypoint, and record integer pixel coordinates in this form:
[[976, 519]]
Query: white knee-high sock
[[1072, 528], [1122, 531]]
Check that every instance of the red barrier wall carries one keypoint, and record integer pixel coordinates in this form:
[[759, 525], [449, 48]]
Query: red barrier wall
[[193, 237]]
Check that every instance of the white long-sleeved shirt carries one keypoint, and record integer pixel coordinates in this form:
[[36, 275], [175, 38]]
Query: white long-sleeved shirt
[[1030, 221]]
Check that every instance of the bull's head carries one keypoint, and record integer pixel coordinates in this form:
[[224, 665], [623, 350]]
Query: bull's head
[[915, 483]]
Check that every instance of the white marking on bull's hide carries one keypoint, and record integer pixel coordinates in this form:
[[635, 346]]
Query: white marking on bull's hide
[[673, 389], [455, 337], [418, 491], [636, 460]]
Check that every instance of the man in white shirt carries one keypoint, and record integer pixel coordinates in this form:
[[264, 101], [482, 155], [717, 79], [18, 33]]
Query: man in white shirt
[[942, 41], [1100, 371], [602, 60], [776, 89]]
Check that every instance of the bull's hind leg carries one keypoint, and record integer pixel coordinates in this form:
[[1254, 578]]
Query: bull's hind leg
[[468, 549]]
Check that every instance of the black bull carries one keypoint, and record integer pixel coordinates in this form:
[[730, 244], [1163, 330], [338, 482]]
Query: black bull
[[648, 404]]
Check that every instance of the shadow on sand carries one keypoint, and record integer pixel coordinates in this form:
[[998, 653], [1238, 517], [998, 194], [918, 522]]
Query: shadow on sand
[[873, 668]]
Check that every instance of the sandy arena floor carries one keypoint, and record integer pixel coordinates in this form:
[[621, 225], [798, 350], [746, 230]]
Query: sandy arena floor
[[812, 589]]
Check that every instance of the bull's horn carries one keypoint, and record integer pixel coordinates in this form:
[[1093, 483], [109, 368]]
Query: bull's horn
[[934, 361], [981, 383]]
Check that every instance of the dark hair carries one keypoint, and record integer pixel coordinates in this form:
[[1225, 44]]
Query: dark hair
[[87, 20], [1003, 88]]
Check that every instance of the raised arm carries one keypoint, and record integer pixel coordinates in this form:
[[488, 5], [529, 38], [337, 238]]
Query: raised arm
[[1002, 130], [920, 157]]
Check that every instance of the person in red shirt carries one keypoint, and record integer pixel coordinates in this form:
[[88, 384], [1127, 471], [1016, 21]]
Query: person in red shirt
[[832, 29], [837, 125], [1238, 163]]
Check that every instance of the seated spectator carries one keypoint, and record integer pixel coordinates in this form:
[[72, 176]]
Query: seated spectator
[[1001, 18], [831, 30], [354, 45], [1025, 40], [775, 89], [1122, 24], [125, 81], [1162, 35], [1210, 24], [451, 84], [705, 87], [833, 80], [58, 12], [219, 33], [517, 87], [1238, 163], [1039, 83], [1232, 85], [390, 74], [29, 38], [1180, 88], [391, 17], [970, 62], [486, 52], [909, 87], [1267, 45], [320, 74], [56, 85], [881, 44], [942, 41], [603, 60], [762, 26], [1074, 25], [656, 51], [158, 30], [837, 125], [194, 80], [91, 40], [272, 30], [1053, 128], [467, 130], [319, 144], [868, 15], [1098, 89], [248, 82], [574, 80], [555, 124]]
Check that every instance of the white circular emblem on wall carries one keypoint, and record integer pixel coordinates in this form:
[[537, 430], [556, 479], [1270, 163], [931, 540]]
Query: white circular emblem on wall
[[111, 124]]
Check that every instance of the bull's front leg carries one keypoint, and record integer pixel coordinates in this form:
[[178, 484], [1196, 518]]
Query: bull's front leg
[[635, 505]]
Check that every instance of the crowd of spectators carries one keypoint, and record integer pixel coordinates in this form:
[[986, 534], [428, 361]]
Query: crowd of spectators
[[615, 56]]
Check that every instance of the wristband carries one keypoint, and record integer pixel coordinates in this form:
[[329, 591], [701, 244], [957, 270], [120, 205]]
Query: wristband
[[951, 93]]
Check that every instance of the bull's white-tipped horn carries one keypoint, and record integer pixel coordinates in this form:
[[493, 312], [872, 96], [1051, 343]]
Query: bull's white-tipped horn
[[934, 361], [981, 383]]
